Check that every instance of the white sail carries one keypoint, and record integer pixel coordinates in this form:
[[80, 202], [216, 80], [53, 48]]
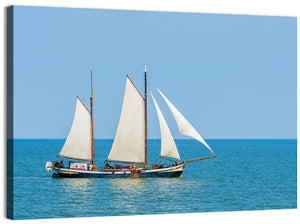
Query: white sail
[[129, 142], [185, 128], [168, 146], [78, 143]]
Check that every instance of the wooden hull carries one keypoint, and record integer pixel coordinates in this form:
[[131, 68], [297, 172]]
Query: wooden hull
[[167, 172]]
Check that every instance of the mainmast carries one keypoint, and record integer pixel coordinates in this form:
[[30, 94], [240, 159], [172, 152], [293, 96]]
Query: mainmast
[[92, 120], [145, 98]]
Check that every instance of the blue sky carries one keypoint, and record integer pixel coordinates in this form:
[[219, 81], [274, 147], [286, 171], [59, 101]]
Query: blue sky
[[232, 76]]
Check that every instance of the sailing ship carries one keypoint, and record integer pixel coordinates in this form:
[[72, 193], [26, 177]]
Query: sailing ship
[[129, 151]]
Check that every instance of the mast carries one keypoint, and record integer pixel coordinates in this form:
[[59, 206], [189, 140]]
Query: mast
[[92, 120], [145, 98]]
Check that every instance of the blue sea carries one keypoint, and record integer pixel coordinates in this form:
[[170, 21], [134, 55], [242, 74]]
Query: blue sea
[[245, 175]]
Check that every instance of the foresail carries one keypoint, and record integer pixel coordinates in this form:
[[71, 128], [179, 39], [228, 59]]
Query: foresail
[[185, 128], [129, 142], [168, 146], [78, 143]]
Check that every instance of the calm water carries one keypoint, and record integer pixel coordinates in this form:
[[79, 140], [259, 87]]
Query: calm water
[[246, 175]]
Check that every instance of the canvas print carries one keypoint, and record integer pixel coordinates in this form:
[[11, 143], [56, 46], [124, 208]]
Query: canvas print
[[117, 112]]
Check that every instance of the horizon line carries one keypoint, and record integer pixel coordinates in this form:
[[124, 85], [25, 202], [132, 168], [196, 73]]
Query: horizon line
[[160, 139]]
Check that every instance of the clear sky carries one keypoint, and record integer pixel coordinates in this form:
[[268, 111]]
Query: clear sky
[[231, 76]]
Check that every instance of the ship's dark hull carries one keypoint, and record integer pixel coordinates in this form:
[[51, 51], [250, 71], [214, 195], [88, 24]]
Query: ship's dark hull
[[169, 172]]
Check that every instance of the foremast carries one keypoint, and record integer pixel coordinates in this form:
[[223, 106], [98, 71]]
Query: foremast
[[92, 121]]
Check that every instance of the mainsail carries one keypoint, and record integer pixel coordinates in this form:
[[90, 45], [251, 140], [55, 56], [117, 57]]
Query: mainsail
[[168, 146], [129, 142], [78, 143], [185, 128]]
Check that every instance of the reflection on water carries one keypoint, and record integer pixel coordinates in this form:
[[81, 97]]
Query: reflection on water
[[78, 194], [127, 184], [137, 196], [74, 184], [127, 194]]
